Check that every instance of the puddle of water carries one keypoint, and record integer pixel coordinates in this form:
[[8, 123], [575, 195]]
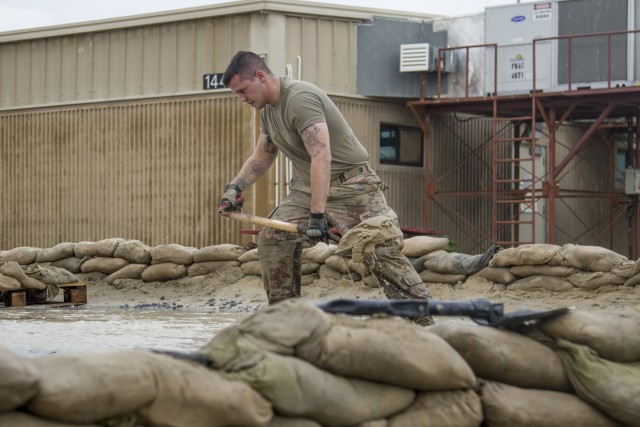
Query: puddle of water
[[45, 331]]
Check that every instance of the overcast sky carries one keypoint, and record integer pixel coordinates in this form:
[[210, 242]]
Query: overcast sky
[[22, 14]]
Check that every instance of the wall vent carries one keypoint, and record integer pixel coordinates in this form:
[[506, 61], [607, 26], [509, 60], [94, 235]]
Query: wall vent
[[415, 57]]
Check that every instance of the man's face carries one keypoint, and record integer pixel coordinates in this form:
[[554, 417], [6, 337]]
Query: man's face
[[252, 91]]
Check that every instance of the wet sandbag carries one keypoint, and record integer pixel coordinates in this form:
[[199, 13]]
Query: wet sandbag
[[613, 335], [103, 264], [459, 408], [133, 251], [19, 379], [531, 254], [56, 253], [131, 271], [24, 419], [428, 276], [23, 255], [13, 269], [387, 350], [8, 283], [612, 387], [51, 274], [501, 275], [505, 356], [191, 395], [457, 263], [164, 271], [420, 245], [509, 406], [590, 258], [207, 267], [542, 270], [297, 388], [549, 283], [72, 264], [318, 253], [85, 388], [104, 248], [222, 252], [172, 253], [595, 280]]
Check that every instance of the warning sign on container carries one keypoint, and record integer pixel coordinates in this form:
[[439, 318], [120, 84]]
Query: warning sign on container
[[541, 11]]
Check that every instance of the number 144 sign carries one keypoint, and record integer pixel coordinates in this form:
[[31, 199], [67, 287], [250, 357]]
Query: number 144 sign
[[212, 81]]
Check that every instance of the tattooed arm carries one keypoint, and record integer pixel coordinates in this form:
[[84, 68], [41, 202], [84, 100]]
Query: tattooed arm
[[316, 141], [257, 164]]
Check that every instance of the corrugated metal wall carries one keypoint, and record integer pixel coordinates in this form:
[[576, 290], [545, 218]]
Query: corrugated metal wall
[[149, 170]]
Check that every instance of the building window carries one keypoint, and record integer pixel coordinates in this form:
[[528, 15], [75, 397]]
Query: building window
[[400, 145]]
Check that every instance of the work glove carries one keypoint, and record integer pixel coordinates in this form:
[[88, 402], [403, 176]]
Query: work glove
[[317, 229], [231, 200]]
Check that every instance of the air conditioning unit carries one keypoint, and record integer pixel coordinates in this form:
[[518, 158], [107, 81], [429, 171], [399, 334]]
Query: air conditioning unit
[[631, 181], [416, 57]]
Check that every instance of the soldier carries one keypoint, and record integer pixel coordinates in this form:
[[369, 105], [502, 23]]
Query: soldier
[[333, 182]]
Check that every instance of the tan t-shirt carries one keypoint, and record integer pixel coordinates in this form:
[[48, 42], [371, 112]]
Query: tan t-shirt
[[301, 105]]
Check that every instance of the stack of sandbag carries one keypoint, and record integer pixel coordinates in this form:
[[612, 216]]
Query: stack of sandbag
[[335, 370]]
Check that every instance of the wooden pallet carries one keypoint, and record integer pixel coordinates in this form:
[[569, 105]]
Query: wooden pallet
[[74, 293]]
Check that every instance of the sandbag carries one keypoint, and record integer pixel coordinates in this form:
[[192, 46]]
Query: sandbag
[[23, 255], [459, 408], [14, 270], [19, 379], [250, 255], [222, 252], [428, 276], [530, 254], [549, 283], [297, 388], [131, 271], [24, 419], [509, 406], [51, 274], [595, 280], [327, 272], [280, 421], [456, 263], [101, 248], [103, 264], [505, 356], [338, 263], [626, 269], [318, 253], [417, 246], [542, 270], [85, 388], [133, 251], [613, 335], [389, 350], [164, 271], [612, 387], [207, 267], [173, 253], [71, 264], [501, 275], [190, 395], [310, 268], [590, 258], [55, 253], [8, 283], [251, 268]]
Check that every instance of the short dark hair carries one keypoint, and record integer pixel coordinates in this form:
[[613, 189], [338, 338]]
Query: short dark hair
[[244, 64]]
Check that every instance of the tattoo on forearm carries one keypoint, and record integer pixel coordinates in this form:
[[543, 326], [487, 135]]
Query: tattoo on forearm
[[311, 141], [256, 168]]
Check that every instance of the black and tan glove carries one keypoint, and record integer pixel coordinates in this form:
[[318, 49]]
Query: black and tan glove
[[318, 229], [231, 200]]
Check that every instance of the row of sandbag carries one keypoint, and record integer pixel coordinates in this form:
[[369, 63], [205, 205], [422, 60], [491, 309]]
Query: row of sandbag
[[292, 364], [116, 258]]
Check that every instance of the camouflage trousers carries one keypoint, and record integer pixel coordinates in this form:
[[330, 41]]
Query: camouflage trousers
[[348, 204]]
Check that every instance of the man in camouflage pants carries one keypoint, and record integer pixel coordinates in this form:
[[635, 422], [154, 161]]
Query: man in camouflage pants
[[334, 183]]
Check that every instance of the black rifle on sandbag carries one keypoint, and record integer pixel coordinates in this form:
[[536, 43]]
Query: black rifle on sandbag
[[481, 311]]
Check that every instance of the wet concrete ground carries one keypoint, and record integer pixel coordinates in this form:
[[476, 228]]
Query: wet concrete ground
[[45, 330]]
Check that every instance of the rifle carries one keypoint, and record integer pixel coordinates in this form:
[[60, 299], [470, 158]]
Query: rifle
[[481, 311]]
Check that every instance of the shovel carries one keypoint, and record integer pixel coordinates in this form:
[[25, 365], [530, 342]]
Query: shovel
[[273, 223]]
